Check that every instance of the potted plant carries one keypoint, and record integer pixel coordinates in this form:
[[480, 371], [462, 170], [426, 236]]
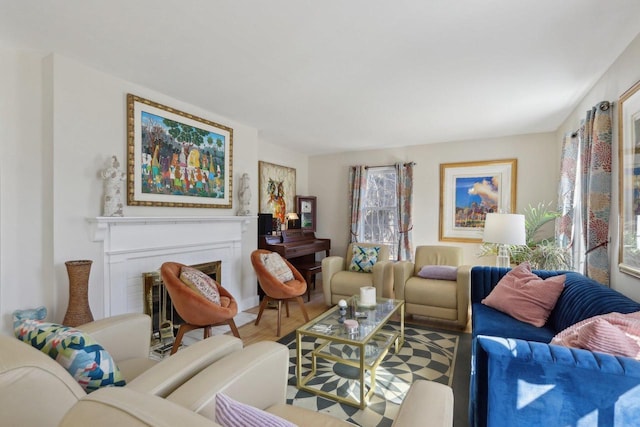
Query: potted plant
[[541, 249]]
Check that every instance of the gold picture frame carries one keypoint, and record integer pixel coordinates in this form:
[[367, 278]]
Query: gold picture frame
[[176, 159], [277, 191], [629, 181], [470, 190]]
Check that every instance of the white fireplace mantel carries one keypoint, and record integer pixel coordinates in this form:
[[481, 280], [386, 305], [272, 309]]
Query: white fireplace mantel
[[132, 246], [100, 225]]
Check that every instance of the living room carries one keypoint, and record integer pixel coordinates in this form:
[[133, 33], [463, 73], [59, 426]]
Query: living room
[[63, 119], [79, 115]]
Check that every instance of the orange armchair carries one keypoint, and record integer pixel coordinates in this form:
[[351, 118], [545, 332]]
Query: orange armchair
[[197, 311], [277, 291]]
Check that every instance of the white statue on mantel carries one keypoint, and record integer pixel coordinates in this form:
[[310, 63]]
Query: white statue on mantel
[[244, 196], [113, 178]]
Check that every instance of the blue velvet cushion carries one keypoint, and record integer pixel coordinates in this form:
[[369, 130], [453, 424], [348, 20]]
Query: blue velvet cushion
[[489, 321], [583, 298]]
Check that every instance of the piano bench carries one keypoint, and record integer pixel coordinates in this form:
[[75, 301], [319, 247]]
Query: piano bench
[[309, 272]]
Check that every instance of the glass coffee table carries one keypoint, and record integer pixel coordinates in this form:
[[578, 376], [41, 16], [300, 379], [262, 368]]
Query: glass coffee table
[[362, 348]]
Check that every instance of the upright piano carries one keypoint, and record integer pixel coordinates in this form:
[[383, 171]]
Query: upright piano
[[297, 246]]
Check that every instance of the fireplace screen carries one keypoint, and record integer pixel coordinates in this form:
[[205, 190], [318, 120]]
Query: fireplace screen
[[165, 321]]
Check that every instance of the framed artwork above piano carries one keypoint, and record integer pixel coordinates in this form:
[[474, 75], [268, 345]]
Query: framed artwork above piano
[[307, 212]]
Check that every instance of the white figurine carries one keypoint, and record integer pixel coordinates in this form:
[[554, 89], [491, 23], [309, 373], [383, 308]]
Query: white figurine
[[244, 196], [113, 178]]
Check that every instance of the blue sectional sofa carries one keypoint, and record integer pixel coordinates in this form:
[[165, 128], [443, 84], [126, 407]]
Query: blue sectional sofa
[[518, 379]]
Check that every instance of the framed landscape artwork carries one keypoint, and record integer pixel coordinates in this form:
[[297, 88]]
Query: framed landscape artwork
[[629, 181], [468, 191], [277, 190], [176, 159]]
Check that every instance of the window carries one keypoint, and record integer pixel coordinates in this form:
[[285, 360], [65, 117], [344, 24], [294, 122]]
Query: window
[[380, 209]]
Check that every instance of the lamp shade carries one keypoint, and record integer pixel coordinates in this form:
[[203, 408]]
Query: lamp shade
[[292, 215], [506, 229]]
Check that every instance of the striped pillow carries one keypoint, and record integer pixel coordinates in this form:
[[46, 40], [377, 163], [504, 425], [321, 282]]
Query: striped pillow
[[230, 413], [612, 333]]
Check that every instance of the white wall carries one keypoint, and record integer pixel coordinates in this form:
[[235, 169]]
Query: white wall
[[537, 177], [62, 121], [622, 74], [25, 237]]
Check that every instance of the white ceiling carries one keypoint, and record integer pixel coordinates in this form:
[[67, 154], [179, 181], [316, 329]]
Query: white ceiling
[[333, 75]]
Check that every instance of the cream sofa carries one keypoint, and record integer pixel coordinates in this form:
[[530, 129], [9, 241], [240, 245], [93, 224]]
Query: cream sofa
[[256, 376], [36, 391], [340, 283], [440, 300]]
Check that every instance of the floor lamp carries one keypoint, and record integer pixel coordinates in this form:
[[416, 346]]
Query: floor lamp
[[504, 230]]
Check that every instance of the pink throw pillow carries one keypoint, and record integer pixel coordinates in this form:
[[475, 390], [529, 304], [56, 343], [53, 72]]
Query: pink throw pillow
[[525, 296], [613, 333]]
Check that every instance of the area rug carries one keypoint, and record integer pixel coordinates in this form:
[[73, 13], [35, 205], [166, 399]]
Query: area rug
[[427, 354]]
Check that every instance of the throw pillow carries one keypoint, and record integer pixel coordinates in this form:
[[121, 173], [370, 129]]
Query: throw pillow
[[613, 333], [86, 360], [363, 258], [276, 266], [231, 413], [201, 283], [525, 296], [439, 272], [36, 314]]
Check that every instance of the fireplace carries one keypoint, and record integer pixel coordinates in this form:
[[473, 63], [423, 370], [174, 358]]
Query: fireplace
[[133, 246], [165, 320]]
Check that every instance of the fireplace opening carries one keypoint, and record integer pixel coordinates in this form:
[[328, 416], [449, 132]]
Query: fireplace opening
[[165, 320]]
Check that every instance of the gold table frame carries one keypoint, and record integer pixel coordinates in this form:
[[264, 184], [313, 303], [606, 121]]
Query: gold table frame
[[338, 335]]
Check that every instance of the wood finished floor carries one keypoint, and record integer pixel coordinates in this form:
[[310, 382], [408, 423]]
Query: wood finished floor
[[266, 330]]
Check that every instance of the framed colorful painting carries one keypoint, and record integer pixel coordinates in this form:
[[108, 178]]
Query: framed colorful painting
[[277, 190], [176, 159], [468, 191], [629, 181]]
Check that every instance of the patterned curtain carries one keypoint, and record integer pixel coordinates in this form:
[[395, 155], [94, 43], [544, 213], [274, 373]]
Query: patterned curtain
[[565, 230], [357, 186], [596, 190], [404, 188]]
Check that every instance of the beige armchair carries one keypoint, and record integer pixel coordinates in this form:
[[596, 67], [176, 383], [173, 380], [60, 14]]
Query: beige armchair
[[340, 283], [30, 379], [442, 300]]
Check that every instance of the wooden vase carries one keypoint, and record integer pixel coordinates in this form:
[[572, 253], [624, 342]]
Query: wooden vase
[[78, 310]]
